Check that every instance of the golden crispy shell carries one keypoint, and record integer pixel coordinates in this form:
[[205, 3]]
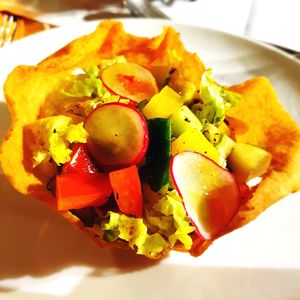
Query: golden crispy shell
[[28, 88]]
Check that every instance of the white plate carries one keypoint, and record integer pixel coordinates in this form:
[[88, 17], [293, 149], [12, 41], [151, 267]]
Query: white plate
[[42, 257]]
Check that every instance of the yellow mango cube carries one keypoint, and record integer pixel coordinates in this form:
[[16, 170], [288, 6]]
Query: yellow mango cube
[[193, 140], [163, 104]]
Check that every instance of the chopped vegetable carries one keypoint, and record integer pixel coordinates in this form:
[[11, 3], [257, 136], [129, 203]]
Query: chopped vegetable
[[183, 119], [225, 146], [134, 231], [193, 140], [223, 143], [168, 217], [86, 84], [248, 161], [75, 191], [216, 99], [210, 193], [130, 81], [127, 190], [118, 135], [159, 152], [53, 136], [163, 104], [80, 161]]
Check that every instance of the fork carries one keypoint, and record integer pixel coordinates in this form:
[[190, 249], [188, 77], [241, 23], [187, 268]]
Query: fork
[[8, 26], [144, 9]]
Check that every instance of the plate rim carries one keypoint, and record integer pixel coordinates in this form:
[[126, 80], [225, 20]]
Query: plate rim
[[163, 22]]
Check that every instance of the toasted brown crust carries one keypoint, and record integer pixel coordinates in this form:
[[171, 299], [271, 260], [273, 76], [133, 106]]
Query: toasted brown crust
[[269, 125]]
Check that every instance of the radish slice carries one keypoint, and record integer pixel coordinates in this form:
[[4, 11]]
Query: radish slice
[[210, 193], [130, 81], [117, 135]]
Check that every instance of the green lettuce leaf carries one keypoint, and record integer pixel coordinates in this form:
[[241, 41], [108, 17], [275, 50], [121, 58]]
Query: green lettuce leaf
[[53, 137], [87, 84], [165, 223], [169, 217], [134, 231], [153, 245], [216, 100]]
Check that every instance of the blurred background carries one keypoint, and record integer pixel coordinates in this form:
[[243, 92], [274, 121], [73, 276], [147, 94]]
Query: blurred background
[[272, 21]]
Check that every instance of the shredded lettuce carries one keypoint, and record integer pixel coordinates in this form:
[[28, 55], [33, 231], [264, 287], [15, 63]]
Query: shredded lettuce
[[134, 231], [216, 100], [87, 84], [163, 225], [213, 134], [153, 245], [53, 136], [168, 216]]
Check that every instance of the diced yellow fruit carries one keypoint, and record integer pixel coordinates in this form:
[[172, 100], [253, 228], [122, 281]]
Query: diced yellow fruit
[[163, 104], [193, 140], [183, 119], [225, 146], [248, 161]]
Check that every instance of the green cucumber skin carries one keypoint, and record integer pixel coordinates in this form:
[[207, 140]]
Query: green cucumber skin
[[159, 152]]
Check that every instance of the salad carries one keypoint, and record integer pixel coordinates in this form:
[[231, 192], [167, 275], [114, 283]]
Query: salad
[[134, 141]]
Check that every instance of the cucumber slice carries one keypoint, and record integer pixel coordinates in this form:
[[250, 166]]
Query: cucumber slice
[[225, 146], [159, 152], [183, 119]]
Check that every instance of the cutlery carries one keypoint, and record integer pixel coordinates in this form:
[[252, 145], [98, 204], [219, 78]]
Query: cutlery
[[8, 26]]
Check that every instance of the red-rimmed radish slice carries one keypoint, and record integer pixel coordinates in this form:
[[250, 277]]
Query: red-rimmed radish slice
[[210, 193], [130, 81], [117, 135]]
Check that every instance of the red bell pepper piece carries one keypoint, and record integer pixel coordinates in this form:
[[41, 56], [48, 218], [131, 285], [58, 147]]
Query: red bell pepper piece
[[80, 161], [74, 191], [127, 190]]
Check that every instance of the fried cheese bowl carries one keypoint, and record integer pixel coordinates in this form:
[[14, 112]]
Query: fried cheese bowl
[[133, 141]]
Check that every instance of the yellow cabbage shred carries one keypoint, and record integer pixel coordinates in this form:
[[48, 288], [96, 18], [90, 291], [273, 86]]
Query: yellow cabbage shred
[[134, 231], [168, 216], [53, 137], [163, 225]]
